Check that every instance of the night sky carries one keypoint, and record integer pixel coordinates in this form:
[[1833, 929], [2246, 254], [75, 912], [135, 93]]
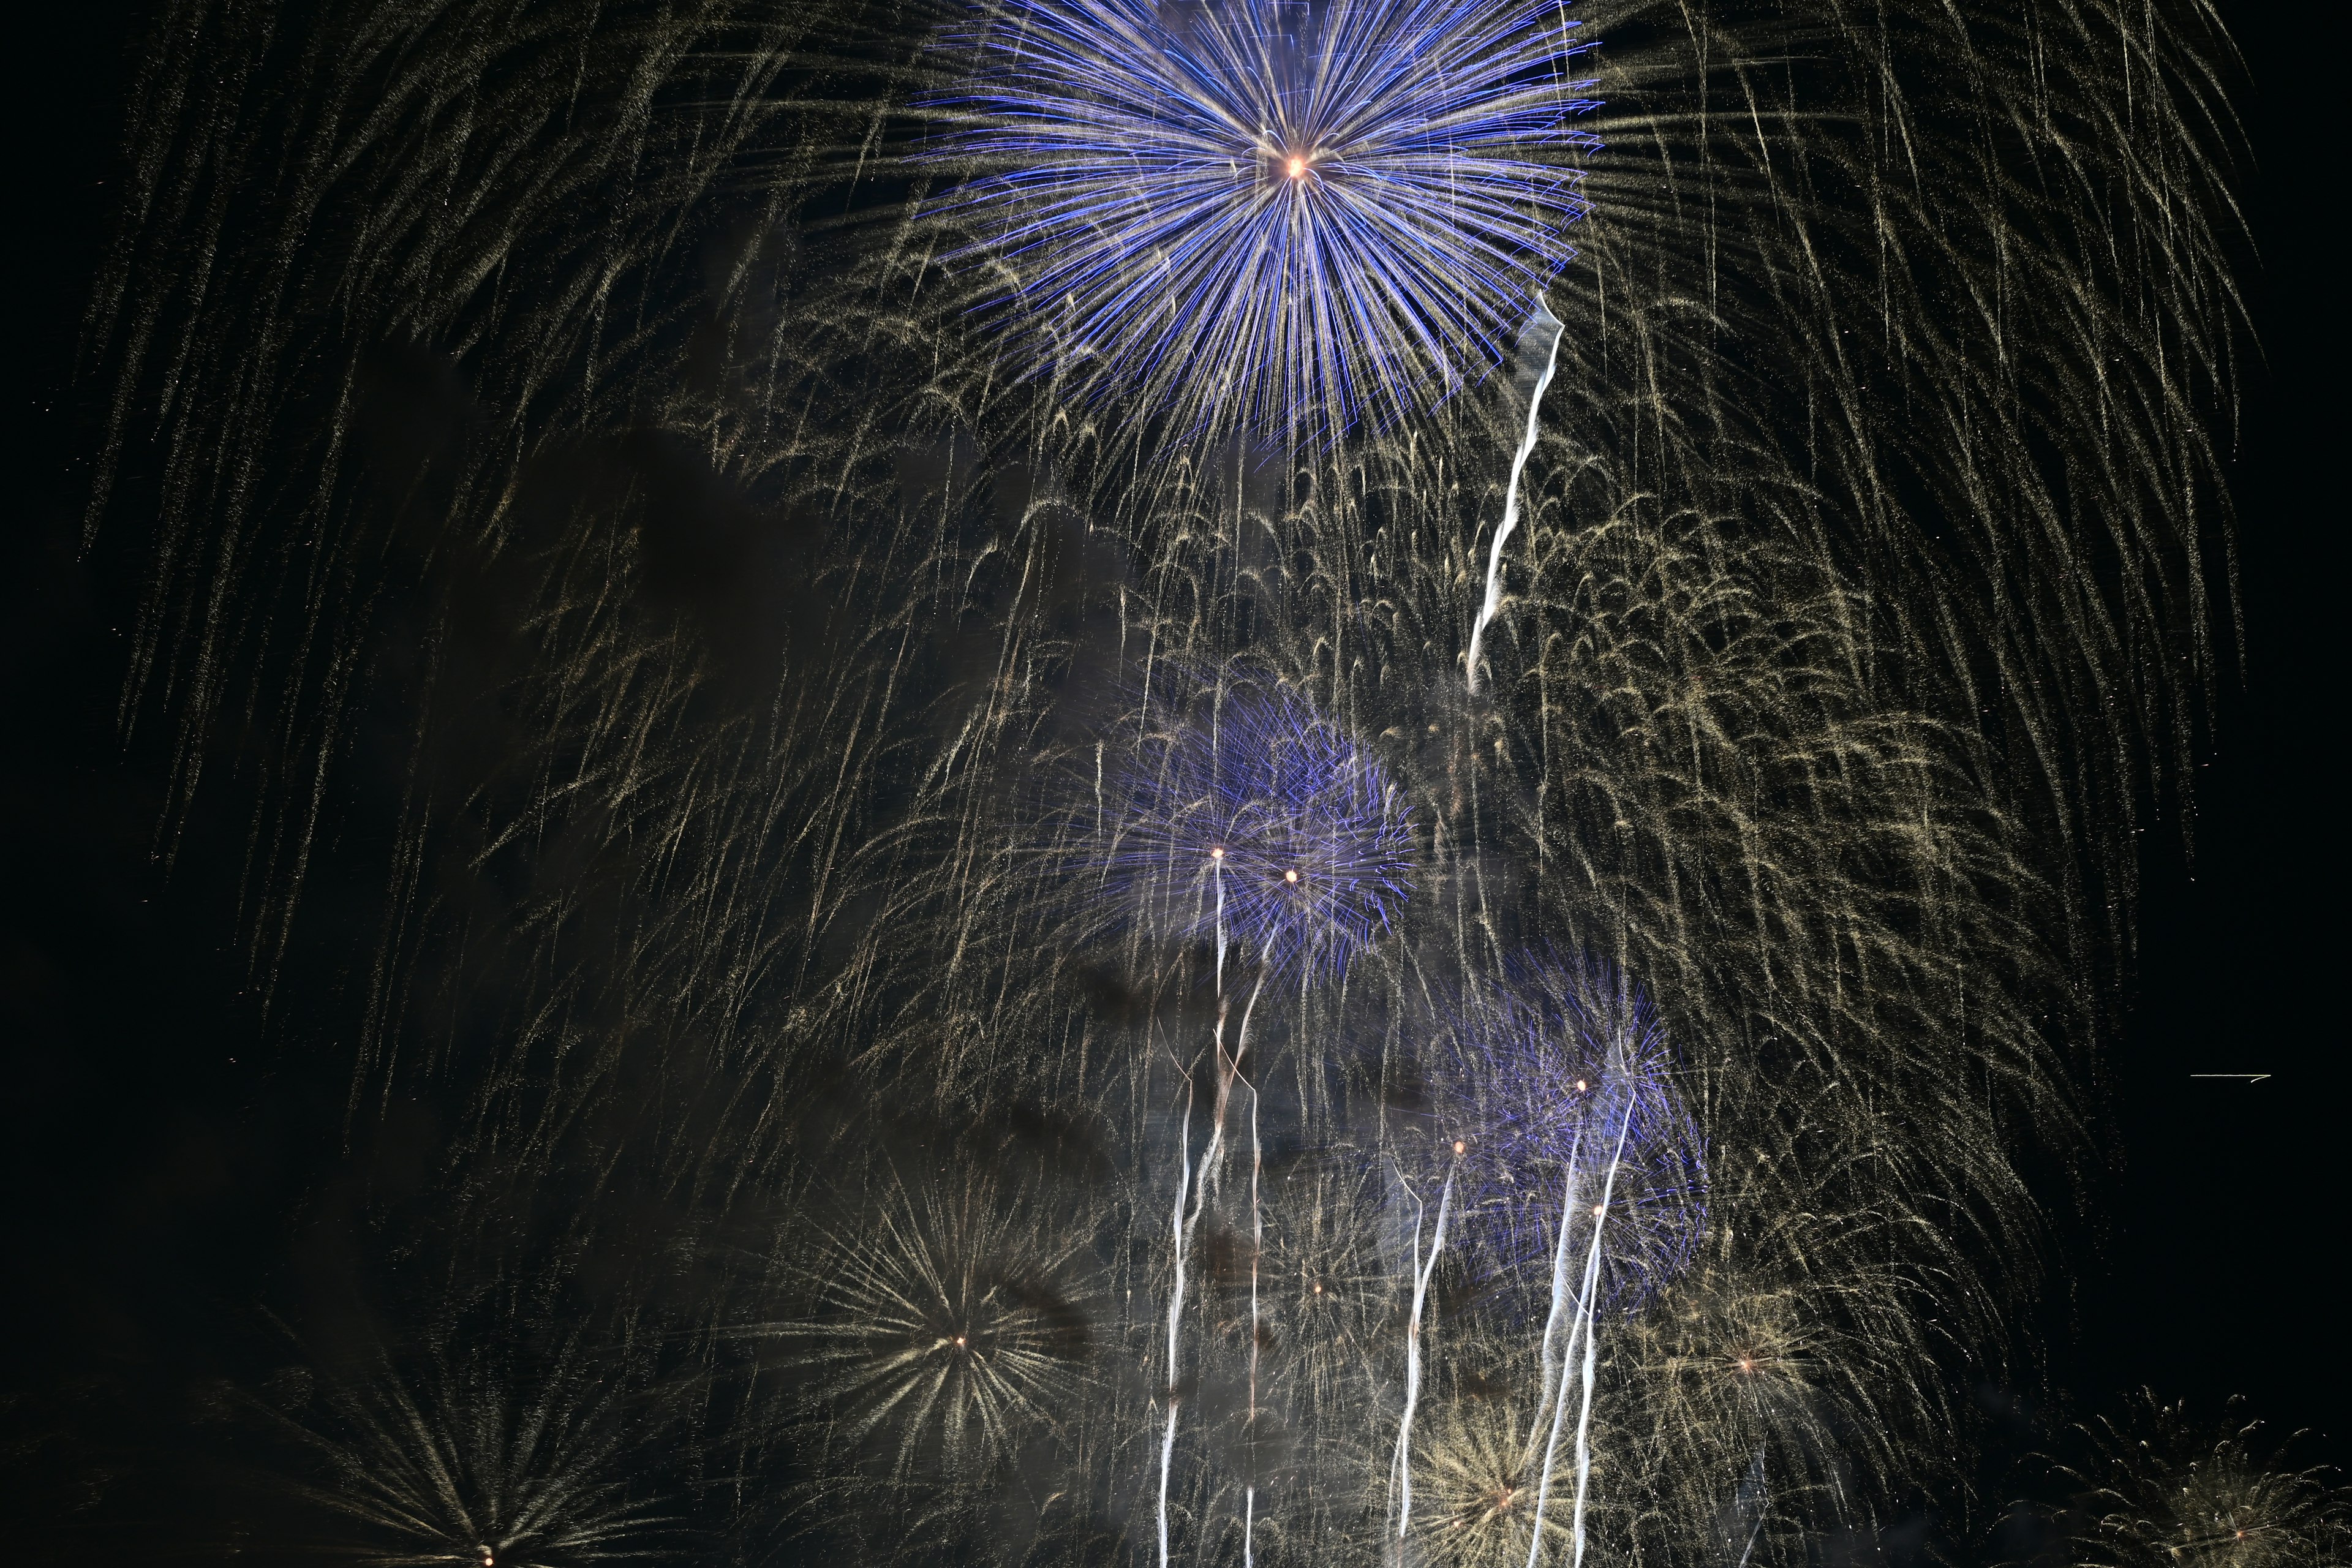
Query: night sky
[[160, 1129]]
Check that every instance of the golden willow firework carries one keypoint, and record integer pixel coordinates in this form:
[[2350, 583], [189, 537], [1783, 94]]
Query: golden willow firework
[[2163, 1488], [591, 515]]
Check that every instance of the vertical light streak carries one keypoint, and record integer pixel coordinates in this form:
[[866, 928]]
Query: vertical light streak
[[1510, 522], [1749, 1500], [1559, 1296], [1402, 1472], [1591, 1344], [1175, 1311], [1581, 1327], [1258, 1249], [1228, 1068], [1180, 1226], [1556, 1396], [1217, 879]]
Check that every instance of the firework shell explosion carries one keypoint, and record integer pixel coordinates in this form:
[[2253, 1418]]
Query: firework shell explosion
[[2162, 1487], [1347, 208], [762, 551], [1247, 819], [1572, 1081]]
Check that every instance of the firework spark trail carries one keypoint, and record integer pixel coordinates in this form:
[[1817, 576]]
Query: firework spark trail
[[1257, 1251], [1582, 1326], [1401, 1472], [1747, 1503], [1175, 1311], [1591, 1339], [1559, 1296], [1510, 522], [1228, 1068], [1184, 1138]]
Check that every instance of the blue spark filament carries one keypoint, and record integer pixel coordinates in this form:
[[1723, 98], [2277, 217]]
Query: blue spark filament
[[1251, 821], [1271, 214], [1565, 1070]]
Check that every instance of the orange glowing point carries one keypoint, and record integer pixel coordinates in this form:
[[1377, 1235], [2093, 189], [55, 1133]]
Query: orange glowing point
[[1298, 168], [1216, 854], [1580, 1086], [1457, 1145], [1290, 875], [1596, 1209]]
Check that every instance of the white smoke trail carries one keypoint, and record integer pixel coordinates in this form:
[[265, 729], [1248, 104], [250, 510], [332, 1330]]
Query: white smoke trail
[[1559, 1296], [1258, 1249], [1746, 1506], [1583, 1327], [1228, 1069], [1175, 1312], [1510, 522], [1400, 1474], [1592, 1344]]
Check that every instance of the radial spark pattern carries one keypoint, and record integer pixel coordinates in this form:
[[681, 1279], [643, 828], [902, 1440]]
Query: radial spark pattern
[[1570, 1070], [1255, 822], [944, 1327], [2165, 1489], [1336, 212], [504, 1459]]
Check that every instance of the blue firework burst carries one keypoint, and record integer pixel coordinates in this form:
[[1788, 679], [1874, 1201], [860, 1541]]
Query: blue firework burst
[[1248, 818], [1567, 1064], [1277, 214]]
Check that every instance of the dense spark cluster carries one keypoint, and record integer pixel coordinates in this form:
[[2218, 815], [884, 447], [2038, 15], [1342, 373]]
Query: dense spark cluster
[[797, 938], [1479, 1484], [1345, 208], [1246, 818]]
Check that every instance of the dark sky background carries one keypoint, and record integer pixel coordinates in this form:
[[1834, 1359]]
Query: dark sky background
[[156, 1138]]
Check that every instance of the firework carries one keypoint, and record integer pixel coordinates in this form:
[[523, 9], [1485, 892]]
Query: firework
[[2165, 1488], [742, 625], [1249, 820], [1548, 328], [946, 1325], [495, 1460], [1479, 1484], [1567, 1065], [1345, 209]]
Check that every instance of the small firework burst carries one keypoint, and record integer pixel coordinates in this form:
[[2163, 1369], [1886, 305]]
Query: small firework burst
[[944, 1322], [1567, 1073], [1728, 1355], [2167, 1490], [484, 1462], [1476, 1484], [1249, 820]]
